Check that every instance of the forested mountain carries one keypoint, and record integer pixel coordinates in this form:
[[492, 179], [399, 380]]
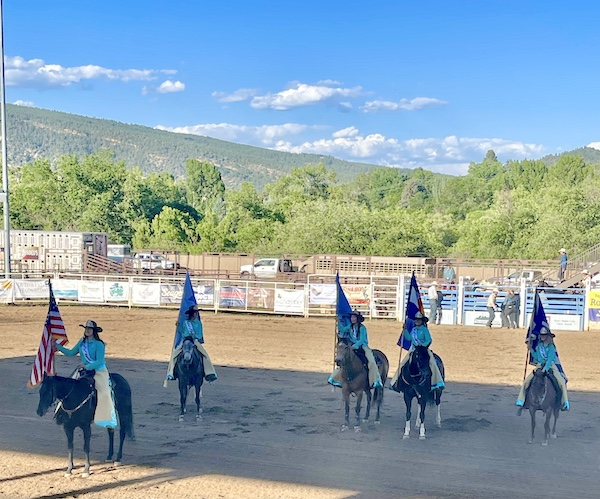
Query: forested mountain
[[37, 133], [588, 154]]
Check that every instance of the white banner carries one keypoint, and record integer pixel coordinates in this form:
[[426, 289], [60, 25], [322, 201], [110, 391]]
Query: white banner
[[6, 291], [145, 293], [289, 300], [30, 288], [205, 294], [91, 291], [65, 288], [564, 322], [474, 318], [322, 294], [116, 291]]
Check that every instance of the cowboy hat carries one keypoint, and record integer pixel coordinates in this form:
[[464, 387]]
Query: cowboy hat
[[562, 250], [545, 331], [358, 315], [434, 283], [420, 316], [191, 310], [93, 325]]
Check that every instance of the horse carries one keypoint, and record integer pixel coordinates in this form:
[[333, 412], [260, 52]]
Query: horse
[[355, 379], [415, 381], [76, 409], [189, 370], [543, 395]]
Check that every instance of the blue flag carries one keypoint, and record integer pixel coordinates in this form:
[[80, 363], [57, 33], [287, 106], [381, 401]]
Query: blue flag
[[413, 305], [537, 321], [187, 300], [342, 305]]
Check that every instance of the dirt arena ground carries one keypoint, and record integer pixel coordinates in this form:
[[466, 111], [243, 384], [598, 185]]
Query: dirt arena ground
[[271, 426]]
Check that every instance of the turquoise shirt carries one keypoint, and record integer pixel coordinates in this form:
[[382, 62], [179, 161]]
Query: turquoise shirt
[[95, 349], [420, 336], [356, 333], [191, 328], [544, 355]]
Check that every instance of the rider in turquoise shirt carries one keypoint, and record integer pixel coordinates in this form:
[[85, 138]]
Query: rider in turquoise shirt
[[95, 350], [420, 336]]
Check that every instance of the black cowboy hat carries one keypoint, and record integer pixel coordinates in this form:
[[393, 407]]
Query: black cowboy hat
[[93, 325], [419, 315], [358, 315], [191, 310]]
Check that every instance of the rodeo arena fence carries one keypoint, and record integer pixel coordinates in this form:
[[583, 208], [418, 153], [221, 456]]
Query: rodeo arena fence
[[375, 297]]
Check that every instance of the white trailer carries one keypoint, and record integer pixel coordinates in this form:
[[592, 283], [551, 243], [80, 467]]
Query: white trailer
[[49, 251]]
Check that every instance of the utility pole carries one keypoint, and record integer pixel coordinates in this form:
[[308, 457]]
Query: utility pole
[[4, 192]]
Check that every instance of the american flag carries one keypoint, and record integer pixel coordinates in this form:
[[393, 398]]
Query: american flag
[[54, 328]]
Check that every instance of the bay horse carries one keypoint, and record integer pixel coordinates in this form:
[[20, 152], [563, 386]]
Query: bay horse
[[542, 395], [76, 409], [189, 371], [355, 379], [415, 381]]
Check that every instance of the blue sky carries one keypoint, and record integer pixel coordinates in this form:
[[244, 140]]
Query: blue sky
[[402, 83]]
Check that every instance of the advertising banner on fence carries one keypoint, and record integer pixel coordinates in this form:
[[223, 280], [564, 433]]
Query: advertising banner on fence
[[67, 289], [116, 291], [232, 296], [321, 294], [359, 295], [145, 293], [171, 293], [594, 305], [205, 294], [289, 300], [480, 318], [6, 291], [90, 291], [30, 288], [263, 298]]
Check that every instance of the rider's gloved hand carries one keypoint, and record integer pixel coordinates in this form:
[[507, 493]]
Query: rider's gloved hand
[[356, 346]]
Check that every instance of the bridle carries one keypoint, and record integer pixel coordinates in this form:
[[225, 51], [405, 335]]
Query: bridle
[[419, 379], [61, 404]]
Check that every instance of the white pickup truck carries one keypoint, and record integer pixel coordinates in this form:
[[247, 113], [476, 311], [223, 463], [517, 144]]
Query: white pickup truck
[[268, 268], [514, 278]]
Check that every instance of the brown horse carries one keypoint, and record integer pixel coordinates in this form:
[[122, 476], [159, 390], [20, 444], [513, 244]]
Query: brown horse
[[543, 396], [355, 379]]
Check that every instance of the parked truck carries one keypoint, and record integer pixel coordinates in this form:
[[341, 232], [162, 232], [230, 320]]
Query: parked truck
[[269, 268]]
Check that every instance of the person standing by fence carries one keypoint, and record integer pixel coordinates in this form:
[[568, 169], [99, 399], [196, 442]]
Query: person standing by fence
[[563, 264], [432, 294], [492, 307]]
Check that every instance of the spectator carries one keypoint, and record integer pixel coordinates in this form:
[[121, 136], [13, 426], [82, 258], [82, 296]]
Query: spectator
[[510, 310], [492, 307], [449, 274], [563, 264], [432, 294], [440, 299]]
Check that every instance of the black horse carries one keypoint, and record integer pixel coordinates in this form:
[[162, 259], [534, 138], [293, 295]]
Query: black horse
[[415, 381], [189, 370], [543, 395], [77, 406]]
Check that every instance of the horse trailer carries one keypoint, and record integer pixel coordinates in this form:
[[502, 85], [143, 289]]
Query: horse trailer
[[51, 251]]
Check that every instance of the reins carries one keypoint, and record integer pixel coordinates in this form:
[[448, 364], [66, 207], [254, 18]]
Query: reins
[[71, 411]]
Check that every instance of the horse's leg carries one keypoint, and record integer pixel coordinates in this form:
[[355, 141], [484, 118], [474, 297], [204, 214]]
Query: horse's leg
[[422, 404], [87, 434], [368, 410], [183, 390], [408, 403], [548, 414], [378, 394], [346, 398], [111, 444], [359, 397], [532, 414], [556, 411], [69, 429], [122, 433], [198, 409], [438, 415]]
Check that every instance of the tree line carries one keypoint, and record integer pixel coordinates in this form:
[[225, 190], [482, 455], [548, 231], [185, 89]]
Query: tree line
[[518, 209]]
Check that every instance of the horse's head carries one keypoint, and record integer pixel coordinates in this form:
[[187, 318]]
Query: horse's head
[[538, 388], [187, 350], [342, 350], [420, 359], [47, 395]]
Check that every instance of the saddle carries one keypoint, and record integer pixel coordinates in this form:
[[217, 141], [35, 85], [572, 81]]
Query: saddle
[[87, 375]]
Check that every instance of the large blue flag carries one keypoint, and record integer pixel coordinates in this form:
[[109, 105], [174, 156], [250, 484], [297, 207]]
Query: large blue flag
[[342, 305], [187, 300], [537, 321], [413, 305]]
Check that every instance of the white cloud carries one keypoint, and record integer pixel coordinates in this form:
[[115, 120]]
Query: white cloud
[[594, 145], [403, 104], [263, 136], [36, 73], [302, 95], [239, 95], [168, 86], [26, 103]]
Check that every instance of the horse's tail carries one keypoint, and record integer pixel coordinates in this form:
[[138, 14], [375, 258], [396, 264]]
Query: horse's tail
[[123, 404]]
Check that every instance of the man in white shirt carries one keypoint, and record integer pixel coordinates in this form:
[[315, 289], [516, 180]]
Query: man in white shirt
[[433, 303]]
